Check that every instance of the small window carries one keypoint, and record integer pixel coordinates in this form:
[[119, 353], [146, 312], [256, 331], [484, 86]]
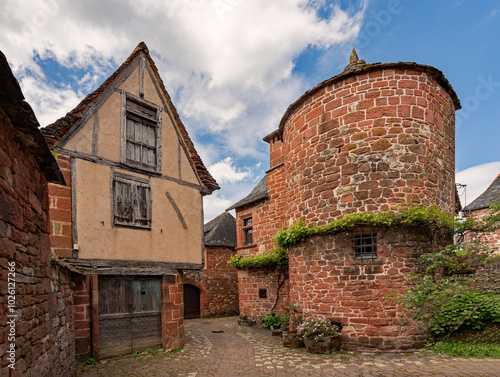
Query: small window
[[248, 231], [141, 133], [365, 246], [131, 202], [262, 293]]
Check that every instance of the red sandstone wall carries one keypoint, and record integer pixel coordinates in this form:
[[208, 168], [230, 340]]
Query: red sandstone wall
[[172, 307], [44, 344], [60, 212], [81, 303], [268, 218], [493, 238], [249, 283], [218, 282], [369, 143], [326, 279]]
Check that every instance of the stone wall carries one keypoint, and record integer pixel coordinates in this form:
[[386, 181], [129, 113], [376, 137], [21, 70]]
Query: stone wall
[[172, 311], [60, 212], [493, 238], [370, 142], [249, 283], [44, 332], [81, 303], [218, 282], [326, 279]]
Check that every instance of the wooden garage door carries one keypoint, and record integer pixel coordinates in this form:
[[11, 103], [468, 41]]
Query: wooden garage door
[[129, 314]]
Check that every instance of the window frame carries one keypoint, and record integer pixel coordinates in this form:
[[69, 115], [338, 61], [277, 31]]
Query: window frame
[[150, 116], [136, 219], [247, 229]]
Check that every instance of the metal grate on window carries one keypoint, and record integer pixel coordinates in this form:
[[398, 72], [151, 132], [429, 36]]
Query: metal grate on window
[[365, 245]]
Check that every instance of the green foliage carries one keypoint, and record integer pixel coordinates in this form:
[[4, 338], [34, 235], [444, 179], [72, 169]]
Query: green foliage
[[459, 349], [449, 296], [275, 321], [89, 362], [432, 217], [276, 259], [152, 351]]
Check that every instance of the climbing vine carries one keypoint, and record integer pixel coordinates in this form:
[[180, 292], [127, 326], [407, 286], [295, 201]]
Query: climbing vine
[[277, 258]]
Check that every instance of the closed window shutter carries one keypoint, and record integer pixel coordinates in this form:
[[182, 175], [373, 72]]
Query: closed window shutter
[[132, 203], [123, 207]]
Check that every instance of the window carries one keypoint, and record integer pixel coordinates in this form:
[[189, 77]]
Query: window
[[248, 231], [365, 246], [141, 133], [131, 202]]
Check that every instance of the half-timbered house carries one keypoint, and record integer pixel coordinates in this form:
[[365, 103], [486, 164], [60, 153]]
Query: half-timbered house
[[131, 217]]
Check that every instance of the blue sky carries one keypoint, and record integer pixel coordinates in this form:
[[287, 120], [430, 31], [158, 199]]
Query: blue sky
[[232, 67]]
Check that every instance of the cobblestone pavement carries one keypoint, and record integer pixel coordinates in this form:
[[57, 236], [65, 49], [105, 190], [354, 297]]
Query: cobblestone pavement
[[220, 347]]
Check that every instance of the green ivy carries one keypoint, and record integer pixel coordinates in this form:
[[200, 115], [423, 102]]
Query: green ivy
[[277, 258], [412, 215]]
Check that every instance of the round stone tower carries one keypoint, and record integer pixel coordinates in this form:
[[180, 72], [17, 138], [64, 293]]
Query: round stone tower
[[370, 139]]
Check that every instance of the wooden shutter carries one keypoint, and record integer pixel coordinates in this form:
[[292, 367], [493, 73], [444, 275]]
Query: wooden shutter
[[132, 202]]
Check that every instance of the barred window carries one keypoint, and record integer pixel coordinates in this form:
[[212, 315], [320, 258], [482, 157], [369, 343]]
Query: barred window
[[365, 245]]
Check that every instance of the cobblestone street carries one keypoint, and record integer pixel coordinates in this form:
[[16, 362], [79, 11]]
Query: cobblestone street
[[220, 347]]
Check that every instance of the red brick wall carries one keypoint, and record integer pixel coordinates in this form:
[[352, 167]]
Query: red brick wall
[[60, 212], [326, 279], [249, 283], [370, 142], [493, 238], [218, 282], [81, 303], [44, 344], [172, 307]]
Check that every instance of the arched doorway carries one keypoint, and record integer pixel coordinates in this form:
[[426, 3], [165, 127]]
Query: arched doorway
[[191, 301]]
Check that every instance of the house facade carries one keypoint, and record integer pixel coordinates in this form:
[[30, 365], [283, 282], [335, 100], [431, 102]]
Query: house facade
[[370, 139], [37, 329], [131, 216]]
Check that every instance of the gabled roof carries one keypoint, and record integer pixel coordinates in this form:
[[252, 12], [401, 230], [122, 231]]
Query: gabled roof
[[487, 198], [221, 231], [56, 131], [25, 124], [258, 193]]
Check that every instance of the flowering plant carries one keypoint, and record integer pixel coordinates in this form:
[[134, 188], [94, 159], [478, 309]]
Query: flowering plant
[[317, 329]]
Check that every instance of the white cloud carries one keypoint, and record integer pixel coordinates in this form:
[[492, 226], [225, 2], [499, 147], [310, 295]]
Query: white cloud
[[224, 171], [219, 65], [214, 205], [477, 179]]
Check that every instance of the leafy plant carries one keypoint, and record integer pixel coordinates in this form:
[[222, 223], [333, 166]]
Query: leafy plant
[[459, 349], [274, 321], [89, 362], [317, 329]]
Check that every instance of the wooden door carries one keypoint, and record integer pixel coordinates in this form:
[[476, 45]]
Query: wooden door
[[191, 301], [129, 314]]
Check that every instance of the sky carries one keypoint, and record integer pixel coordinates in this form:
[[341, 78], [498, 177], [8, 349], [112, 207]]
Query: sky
[[232, 67]]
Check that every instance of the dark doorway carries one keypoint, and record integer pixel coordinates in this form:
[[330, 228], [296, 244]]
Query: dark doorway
[[191, 301]]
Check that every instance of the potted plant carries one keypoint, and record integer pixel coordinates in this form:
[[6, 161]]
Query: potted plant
[[290, 336], [319, 335], [245, 321]]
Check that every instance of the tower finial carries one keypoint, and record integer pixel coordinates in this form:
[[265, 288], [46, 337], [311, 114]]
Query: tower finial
[[354, 57], [354, 61]]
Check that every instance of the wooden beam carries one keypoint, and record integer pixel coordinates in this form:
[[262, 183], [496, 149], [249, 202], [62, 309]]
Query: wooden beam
[[177, 210]]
